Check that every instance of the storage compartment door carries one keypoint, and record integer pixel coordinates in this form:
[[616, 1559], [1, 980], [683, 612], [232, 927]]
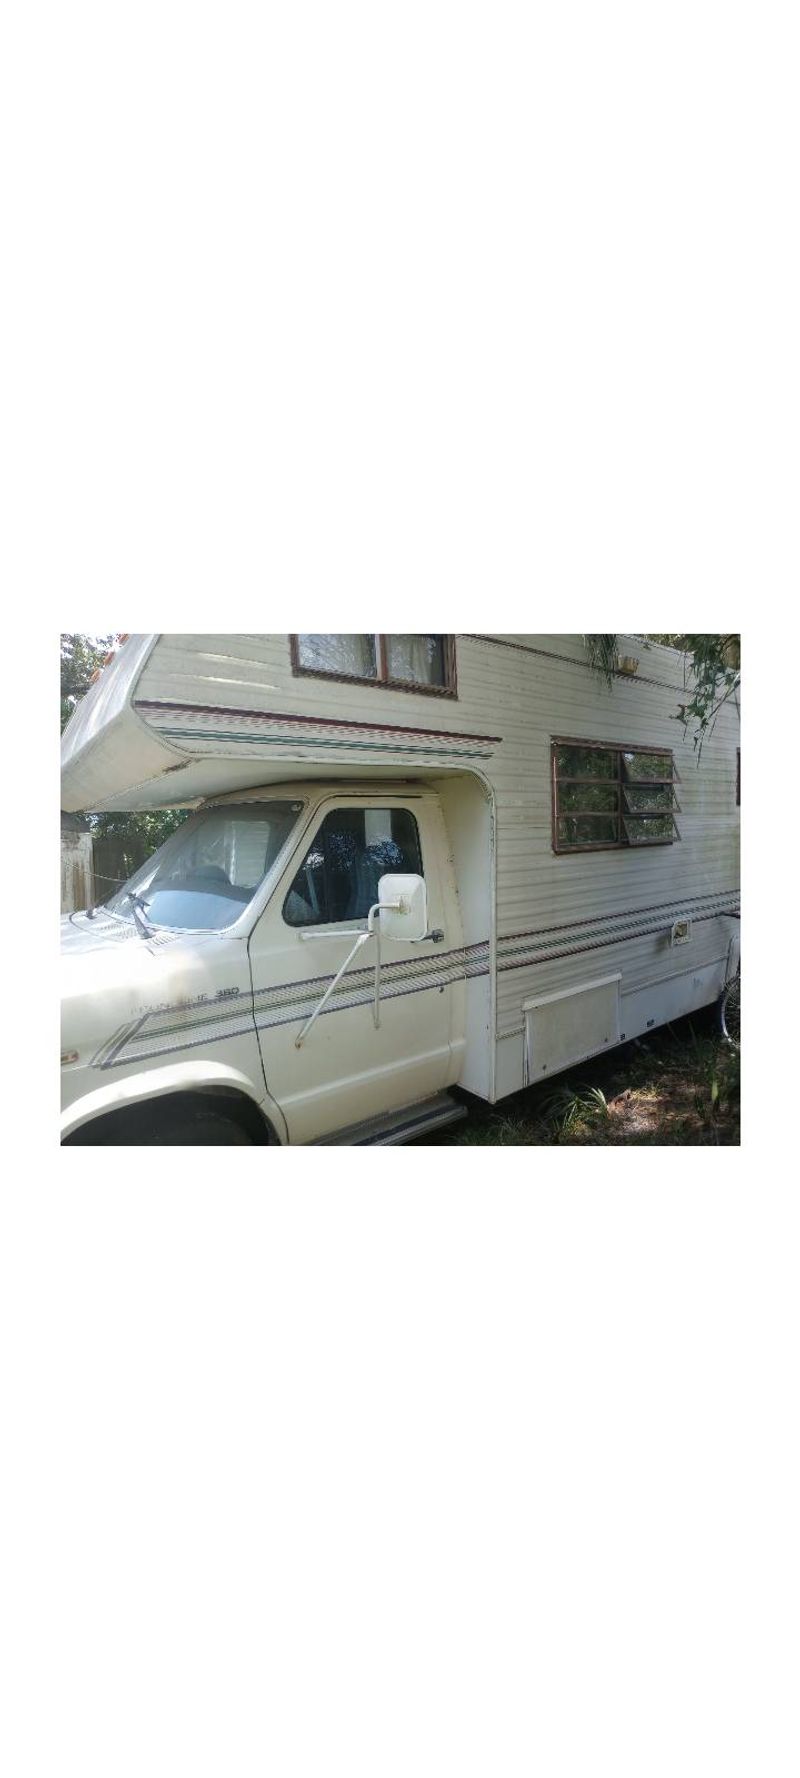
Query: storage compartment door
[[564, 1028]]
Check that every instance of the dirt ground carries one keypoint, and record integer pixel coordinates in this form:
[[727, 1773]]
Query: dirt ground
[[679, 1086]]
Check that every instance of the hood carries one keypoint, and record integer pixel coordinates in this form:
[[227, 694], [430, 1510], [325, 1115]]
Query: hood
[[79, 934], [112, 975]]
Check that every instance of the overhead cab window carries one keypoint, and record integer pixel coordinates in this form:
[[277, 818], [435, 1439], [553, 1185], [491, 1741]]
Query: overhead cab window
[[352, 850], [406, 663], [612, 797], [343, 657]]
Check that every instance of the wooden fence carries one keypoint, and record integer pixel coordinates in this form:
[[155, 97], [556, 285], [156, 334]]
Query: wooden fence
[[115, 860], [77, 888]]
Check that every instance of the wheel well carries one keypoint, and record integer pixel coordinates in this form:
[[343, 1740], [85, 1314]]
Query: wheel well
[[123, 1123]]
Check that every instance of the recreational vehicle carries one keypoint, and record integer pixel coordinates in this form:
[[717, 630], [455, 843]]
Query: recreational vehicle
[[411, 864]]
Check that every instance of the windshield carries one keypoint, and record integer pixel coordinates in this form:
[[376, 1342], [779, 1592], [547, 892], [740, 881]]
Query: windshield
[[210, 868]]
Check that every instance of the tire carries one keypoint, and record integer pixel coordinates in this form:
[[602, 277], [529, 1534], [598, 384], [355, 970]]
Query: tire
[[183, 1129], [205, 1130], [729, 1012]]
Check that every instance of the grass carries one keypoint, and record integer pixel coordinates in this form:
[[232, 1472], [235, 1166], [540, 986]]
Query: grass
[[678, 1086]]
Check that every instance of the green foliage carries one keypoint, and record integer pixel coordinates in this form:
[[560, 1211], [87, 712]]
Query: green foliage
[[715, 677], [680, 1087], [717, 1088], [81, 658], [572, 1111], [711, 674], [602, 652], [151, 826]]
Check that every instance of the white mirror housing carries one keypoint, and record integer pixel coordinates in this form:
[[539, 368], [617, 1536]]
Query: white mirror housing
[[403, 902]]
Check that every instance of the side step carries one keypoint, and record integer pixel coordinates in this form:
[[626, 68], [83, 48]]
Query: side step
[[397, 1126]]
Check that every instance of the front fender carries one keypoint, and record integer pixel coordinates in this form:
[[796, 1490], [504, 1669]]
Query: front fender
[[154, 1083]]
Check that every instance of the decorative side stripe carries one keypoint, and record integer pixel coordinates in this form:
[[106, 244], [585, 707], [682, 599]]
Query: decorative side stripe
[[652, 907], [204, 726], [607, 929], [167, 1029], [598, 944], [385, 728], [316, 741]]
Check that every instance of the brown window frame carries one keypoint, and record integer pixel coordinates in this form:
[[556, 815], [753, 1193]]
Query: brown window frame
[[618, 782], [382, 677]]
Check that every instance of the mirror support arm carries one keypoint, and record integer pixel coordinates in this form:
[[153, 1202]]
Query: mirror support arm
[[302, 1035], [373, 931]]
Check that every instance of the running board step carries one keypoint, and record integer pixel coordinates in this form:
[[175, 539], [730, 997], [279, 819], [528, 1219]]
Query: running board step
[[397, 1126]]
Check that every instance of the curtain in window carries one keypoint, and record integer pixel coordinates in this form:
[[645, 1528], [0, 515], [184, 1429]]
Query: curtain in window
[[354, 655], [417, 660]]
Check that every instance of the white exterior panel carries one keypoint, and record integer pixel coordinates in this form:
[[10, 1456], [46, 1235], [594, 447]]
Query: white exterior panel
[[220, 714]]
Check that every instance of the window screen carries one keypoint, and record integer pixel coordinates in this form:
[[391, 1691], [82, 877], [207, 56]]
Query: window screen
[[612, 797]]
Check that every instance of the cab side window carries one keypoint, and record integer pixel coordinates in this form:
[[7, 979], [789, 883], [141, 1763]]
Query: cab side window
[[338, 879]]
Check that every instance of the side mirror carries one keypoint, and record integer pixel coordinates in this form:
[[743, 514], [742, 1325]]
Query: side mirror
[[403, 902]]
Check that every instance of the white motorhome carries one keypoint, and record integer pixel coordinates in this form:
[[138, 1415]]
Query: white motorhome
[[412, 863]]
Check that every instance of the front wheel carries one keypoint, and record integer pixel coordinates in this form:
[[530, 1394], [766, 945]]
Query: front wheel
[[204, 1130], [184, 1128]]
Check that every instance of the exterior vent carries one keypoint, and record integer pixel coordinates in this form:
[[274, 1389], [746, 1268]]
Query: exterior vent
[[681, 932]]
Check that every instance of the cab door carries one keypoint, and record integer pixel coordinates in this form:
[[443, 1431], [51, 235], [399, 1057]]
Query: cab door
[[347, 1069]]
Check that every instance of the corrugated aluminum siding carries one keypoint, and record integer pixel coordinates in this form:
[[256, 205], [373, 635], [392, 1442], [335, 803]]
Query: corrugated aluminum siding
[[526, 690], [541, 697]]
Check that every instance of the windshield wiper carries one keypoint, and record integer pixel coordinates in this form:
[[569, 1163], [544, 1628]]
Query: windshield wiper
[[139, 907]]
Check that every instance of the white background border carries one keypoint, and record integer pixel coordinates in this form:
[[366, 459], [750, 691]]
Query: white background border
[[451, 1462]]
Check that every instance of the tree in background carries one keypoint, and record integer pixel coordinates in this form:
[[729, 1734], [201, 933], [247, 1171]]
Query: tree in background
[[82, 658], [711, 674]]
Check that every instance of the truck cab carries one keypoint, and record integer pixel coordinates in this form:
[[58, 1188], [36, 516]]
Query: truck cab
[[192, 999]]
